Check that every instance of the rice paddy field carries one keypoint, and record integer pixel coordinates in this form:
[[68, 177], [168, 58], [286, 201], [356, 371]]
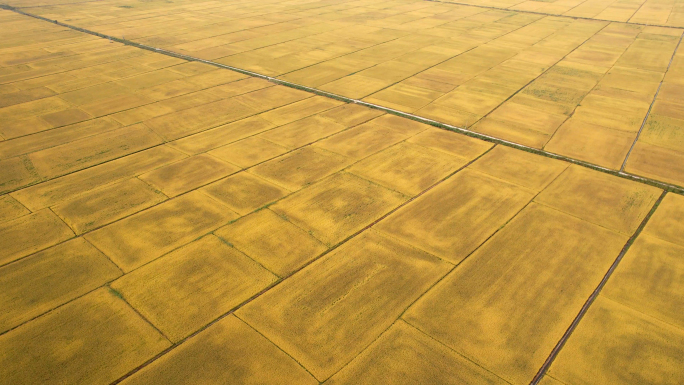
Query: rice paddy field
[[341, 192]]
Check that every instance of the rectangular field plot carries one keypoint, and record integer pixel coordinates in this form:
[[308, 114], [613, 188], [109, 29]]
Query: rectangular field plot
[[481, 311], [659, 151]]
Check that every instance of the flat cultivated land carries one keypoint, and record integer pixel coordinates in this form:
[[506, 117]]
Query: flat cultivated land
[[166, 220], [577, 87]]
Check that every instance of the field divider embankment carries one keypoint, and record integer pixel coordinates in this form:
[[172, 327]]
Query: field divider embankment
[[619, 173]]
